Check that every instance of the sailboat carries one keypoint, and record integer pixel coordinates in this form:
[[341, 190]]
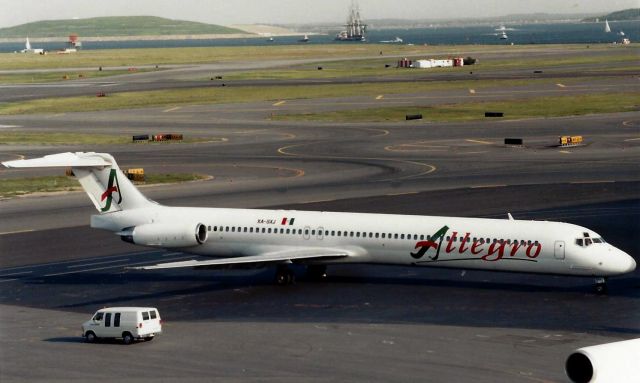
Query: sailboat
[[305, 39], [607, 29], [504, 36]]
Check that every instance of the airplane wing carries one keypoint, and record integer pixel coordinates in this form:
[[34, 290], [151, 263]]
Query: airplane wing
[[283, 256]]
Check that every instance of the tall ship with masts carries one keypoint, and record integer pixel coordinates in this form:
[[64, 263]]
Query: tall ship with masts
[[355, 28]]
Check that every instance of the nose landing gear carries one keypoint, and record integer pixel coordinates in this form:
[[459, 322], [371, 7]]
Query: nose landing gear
[[601, 286]]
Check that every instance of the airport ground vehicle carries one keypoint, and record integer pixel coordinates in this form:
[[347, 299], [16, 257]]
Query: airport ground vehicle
[[128, 323]]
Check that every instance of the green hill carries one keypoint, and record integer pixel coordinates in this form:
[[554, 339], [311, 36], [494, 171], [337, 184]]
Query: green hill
[[114, 26], [627, 14]]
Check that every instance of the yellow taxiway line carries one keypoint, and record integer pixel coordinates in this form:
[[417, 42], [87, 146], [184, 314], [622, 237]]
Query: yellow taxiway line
[[480, 142]]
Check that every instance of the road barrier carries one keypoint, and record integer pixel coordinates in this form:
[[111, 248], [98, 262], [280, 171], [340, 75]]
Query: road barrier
[[570, 140], [493, 114], [413, 117], [141, 137], [513, 141], [167, 137], [135, 174]]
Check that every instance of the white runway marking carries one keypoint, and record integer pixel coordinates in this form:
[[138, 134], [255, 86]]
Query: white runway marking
[[14, 274], [97, 263], [113, 267], [17, 231]]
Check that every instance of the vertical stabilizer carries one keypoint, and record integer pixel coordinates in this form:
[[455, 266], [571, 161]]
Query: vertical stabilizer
[[98, 173]]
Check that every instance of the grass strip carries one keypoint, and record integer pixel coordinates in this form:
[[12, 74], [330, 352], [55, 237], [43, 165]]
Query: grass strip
[[60, 138], [201, 55], [376, 67], [553, 106], [70, 138], [45, 77], [173, 97], [12, 187]]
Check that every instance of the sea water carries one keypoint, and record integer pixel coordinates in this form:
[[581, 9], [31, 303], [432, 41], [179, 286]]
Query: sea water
[[559, 33]]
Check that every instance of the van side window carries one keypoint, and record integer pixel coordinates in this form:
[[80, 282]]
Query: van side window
[[116, 320], [153, 314], [98, 317], [107, 320], [145, 315]]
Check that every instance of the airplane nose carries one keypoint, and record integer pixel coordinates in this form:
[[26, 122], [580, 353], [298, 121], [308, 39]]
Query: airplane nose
[[632, 264]]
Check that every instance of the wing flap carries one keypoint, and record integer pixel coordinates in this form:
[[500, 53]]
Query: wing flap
[[272, 257]]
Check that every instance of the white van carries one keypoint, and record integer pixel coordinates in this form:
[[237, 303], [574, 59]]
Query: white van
[[128, 323]]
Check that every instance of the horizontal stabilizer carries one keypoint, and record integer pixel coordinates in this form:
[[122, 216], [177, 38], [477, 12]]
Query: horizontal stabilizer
[[272, 257], [60, 160]]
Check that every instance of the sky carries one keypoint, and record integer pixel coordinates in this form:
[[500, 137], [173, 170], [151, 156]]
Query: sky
[[228, 12]]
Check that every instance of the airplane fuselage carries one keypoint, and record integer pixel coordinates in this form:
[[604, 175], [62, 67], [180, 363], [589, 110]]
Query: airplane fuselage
[[467, 243]]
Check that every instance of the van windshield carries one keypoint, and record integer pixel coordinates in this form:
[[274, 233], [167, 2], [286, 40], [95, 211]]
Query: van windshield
[[98, 316]]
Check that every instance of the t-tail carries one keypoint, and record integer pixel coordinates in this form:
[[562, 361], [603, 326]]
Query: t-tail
[[106, 185]]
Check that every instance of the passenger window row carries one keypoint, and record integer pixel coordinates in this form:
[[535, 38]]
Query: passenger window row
[[358, 234]]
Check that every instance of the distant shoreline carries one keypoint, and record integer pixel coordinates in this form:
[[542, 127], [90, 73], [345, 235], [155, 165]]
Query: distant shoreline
[[150, 37]]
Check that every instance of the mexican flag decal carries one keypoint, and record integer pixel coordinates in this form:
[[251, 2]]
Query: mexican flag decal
[[287, 221]]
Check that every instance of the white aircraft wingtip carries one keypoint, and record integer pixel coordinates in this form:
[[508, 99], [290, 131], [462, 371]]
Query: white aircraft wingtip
[[510, 217]]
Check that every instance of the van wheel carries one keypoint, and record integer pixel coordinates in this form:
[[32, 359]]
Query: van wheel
[[127, 338], [90, 337]]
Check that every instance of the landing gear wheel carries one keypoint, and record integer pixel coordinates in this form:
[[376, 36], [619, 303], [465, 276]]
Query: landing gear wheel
[[284, 276], [127, 338], [317, 272], [601, 286]]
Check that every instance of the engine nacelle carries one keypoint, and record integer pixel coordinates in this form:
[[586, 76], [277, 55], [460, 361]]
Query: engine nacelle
[[609, 362], [166, 235]]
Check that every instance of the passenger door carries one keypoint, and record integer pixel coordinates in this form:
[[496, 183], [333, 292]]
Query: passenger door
[[108, 330], [306, 232], [558, 251]]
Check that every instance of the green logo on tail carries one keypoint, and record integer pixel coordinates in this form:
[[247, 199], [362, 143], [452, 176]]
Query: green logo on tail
[[108, 194]]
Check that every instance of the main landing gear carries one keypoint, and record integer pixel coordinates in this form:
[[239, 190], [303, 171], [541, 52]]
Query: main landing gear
[[317, 272], [601, 286], [284, 276]]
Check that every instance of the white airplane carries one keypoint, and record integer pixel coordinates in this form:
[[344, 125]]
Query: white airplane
[[28, 49], [250, 237]]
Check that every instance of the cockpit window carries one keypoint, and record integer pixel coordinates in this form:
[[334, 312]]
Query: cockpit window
[[597, 240], [587, 241], [579, 242]]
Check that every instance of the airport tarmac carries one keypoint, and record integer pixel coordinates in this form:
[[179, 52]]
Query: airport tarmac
[[366, 323]]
